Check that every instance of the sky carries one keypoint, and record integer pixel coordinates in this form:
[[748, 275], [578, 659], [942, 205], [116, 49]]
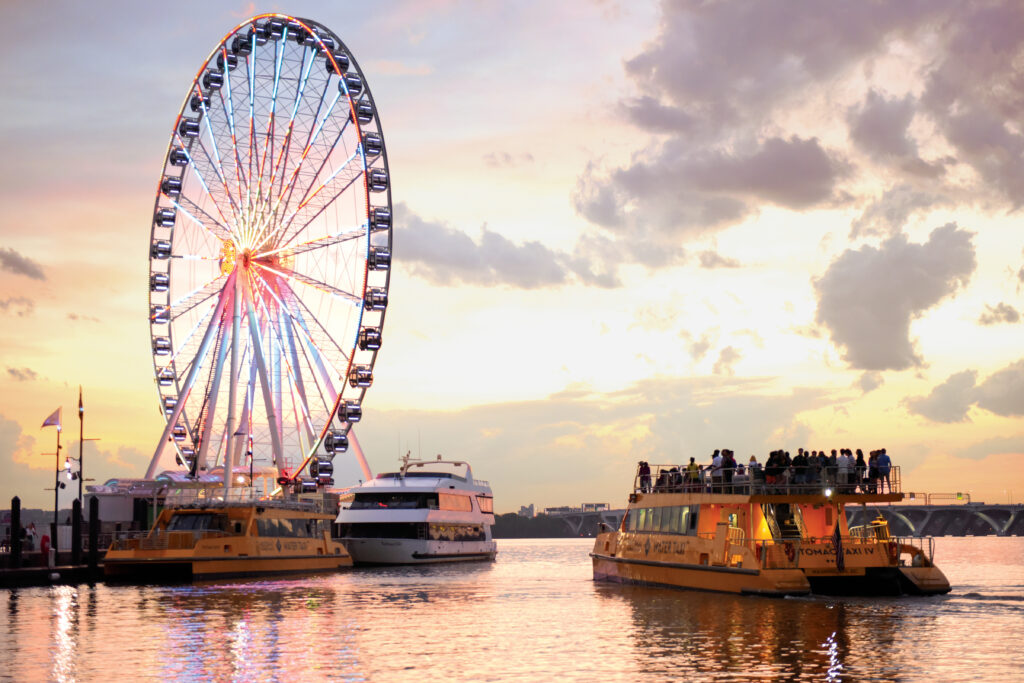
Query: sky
[[623, 231]]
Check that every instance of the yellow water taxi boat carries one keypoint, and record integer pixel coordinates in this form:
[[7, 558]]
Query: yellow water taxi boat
[[750, 537], [202, 536]]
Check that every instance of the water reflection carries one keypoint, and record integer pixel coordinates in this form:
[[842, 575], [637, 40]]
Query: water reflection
[[535, 614]]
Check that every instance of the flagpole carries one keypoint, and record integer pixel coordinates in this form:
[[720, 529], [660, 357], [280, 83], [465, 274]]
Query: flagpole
[[81, 440], [56, 496]]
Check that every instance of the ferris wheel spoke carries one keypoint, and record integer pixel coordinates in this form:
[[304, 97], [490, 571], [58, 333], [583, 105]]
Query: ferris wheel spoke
[[320, 357], [219, 168], [211, 225], [200, 174], [228, 104], [282, 156], [312, 245], [197, 296], [212, 327], [211, 409], [310, 142], [312, 282]]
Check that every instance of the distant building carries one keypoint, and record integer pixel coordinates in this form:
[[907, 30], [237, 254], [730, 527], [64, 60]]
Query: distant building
[[526, 511]]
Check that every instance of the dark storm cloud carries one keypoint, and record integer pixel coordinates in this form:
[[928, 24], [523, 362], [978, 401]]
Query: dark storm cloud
[[446, 256], [868, 297], [949, 401], [1000, 313], [13, 262]]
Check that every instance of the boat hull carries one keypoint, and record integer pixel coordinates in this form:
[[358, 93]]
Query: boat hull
[[154, 569], [771, 582], [377, 551]]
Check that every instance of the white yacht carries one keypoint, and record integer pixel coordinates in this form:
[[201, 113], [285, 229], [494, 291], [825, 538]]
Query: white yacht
[[428, 511]]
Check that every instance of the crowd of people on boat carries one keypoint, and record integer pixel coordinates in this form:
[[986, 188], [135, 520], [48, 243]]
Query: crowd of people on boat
[[841, 471]]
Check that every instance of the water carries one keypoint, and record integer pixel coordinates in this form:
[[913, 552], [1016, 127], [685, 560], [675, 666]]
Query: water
[[533, 615]]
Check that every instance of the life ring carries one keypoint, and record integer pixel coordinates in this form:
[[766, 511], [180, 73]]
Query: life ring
[[790, 551]]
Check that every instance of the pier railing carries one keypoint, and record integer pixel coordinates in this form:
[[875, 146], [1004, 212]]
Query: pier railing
[[774, 481]]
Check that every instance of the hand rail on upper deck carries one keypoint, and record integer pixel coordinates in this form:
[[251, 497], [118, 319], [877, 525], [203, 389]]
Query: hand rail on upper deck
[[782, 481]]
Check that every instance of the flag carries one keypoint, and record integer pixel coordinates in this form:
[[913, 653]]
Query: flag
[[53, 420], [837, 543]]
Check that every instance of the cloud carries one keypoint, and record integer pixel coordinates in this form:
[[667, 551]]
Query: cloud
[[699, 348], [83, 317], [869, 381], [1001, 393], [997, 445], [22, 374], [447, 256], [726, 64], [13, 262], [868, 297], [887, 215], [506, 160], [727, 358], [680, 191], [879, 125], [18, 305], [1000, 313], [972, 93], [949, 401], [712, 259]]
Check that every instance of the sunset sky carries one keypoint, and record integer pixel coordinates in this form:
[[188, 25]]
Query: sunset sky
[[624, 231]]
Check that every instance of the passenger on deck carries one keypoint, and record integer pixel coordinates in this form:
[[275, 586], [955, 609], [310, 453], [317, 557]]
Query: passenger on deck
[[716, 472], [756, 474], [728, 469], [860, 470], [693, 476], [645, 477], [843, 467], [873, 472], [884, 467]]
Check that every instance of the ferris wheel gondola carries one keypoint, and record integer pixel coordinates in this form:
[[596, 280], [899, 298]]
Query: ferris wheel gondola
[[269, 255]]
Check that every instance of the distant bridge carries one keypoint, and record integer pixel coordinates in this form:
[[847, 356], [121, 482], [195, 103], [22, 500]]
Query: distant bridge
[[972, 519]]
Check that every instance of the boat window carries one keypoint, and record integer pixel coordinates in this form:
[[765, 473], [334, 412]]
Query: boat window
[[382, 530], [694, 516], [642, 522], [456, 532], [656, 520], [198, 522], [402, 501], [684, 518], [453, 501], [673, 520], [486, 503]]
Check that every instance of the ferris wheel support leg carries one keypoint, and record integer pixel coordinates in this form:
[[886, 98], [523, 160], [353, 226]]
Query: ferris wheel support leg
[[294, 355], [357, 451], [236, 325], [245, 424], [211, 411], [261, 366], [172, 420]]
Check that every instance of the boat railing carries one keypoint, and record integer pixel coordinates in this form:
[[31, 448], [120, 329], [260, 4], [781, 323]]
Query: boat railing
[[671, 478], [239, 496]]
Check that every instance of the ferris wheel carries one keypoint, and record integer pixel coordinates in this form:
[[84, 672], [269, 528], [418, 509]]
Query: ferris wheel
[[270, 255]]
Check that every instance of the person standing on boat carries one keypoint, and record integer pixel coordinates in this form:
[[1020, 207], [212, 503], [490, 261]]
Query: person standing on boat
[[728, 469], [843, 466], [645, 477], [716, 472], [884, 465], [859, 469], [692, 475]]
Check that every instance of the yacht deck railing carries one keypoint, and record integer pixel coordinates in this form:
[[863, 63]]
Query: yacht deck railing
[[786, 481]]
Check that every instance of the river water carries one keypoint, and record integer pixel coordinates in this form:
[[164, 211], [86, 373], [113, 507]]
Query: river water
[[533, 615]]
